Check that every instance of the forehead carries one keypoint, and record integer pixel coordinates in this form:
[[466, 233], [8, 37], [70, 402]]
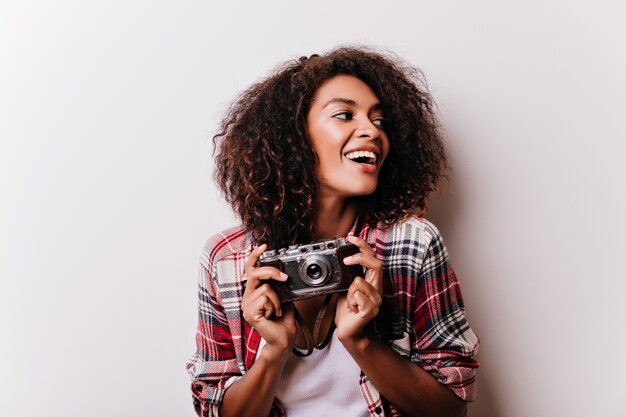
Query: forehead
[[345, 86]]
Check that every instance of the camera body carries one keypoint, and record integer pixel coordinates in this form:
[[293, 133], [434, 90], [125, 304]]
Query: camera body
[[313, 269]]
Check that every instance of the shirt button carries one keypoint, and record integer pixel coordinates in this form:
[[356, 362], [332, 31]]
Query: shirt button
[[378, 410], [198, 387]]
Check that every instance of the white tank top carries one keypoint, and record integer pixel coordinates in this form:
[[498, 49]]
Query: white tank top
[[324, 384]]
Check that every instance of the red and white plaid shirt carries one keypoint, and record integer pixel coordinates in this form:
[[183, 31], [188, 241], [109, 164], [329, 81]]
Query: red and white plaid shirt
[[422, 316]]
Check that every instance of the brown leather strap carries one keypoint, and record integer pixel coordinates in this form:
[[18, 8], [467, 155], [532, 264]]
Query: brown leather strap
[[307, 336], [360, 223], [311, 341], [318, 323]]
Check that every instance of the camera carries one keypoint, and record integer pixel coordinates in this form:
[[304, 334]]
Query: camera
[[313, 269]]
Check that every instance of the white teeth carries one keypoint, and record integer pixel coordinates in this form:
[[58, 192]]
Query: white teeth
[[362, 154]]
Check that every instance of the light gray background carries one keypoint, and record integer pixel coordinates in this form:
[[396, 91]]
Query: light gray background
[[106, 113]]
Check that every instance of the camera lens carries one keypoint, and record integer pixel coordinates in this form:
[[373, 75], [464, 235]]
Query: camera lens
[[314, 271]]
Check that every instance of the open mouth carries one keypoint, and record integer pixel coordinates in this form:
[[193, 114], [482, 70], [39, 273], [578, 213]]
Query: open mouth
[[362, 157]]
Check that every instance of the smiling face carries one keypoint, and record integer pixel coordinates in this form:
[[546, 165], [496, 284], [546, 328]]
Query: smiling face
[[346, 129]]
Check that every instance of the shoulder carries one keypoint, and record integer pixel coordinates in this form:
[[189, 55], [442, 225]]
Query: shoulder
[[408, 244], [231, 243], [413, 230]]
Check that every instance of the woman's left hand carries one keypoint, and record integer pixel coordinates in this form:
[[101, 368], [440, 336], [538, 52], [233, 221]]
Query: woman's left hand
[[360, 305]]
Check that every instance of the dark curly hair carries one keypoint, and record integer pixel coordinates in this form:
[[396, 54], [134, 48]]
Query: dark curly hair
[[265, 165]]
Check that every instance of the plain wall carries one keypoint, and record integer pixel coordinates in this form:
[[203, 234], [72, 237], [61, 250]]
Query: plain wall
[[106, 115]]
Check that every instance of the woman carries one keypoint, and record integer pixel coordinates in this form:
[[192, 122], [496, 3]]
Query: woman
[[344, 144]]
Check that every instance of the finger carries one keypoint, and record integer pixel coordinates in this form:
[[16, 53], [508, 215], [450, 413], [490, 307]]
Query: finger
[[250, 265], [264, 273], [373, 265], [254, 309], [361, 244], [350, 300], [367, 289], [267, 291], [366, 307], [368, 261], [263, 307], [343, 305], [254, 256]]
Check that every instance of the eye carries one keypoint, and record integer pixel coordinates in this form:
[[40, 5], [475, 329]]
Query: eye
[[380, 122], [344, 115]]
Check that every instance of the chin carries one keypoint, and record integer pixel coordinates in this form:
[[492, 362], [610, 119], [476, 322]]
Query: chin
[[364, 191]]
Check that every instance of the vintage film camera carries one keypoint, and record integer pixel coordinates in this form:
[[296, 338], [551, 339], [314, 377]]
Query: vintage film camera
[[313, 269]]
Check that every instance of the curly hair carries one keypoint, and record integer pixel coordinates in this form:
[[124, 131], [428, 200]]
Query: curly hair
[[265, 166]]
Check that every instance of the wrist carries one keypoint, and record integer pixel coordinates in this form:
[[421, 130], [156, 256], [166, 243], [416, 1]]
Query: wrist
[[356, 344], [275, 353]]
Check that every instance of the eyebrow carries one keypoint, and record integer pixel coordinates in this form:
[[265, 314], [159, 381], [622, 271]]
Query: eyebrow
[[349, 102]]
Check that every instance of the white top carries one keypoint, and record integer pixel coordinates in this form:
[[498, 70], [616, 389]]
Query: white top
[[326, 383]]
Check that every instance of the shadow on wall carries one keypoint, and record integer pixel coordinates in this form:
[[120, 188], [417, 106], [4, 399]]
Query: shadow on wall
[[445, 210]]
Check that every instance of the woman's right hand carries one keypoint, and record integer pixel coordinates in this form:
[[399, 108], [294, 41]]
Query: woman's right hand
[[262, 308]]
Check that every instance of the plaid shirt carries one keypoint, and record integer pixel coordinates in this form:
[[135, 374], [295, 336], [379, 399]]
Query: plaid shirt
[[422, 316]]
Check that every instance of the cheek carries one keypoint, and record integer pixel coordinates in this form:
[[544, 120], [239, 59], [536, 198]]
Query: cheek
[[328, 142], [385, 148], [328, 156], [331, 135]]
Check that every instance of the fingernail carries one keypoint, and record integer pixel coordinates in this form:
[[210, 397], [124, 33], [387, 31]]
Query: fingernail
[[346, 260], [283, 275], [279, 313]]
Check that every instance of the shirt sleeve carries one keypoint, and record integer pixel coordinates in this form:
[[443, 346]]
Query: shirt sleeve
[[213, 367], [444, 344]]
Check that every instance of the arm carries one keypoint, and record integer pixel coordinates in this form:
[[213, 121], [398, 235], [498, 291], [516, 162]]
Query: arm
[[415, 389], [444, 343], [214, 365], [218, 386], [253, 394], [404, 383]]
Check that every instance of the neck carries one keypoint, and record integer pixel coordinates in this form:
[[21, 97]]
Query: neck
[[335, 217]]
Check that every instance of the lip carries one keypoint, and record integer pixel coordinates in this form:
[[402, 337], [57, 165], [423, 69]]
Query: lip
[[368, 169], [369, 148]]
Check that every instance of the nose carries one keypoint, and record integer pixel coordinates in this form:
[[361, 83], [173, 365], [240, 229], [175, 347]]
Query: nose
[[367, 129]]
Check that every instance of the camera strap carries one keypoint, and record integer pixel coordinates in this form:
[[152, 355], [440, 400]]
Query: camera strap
[[311, 340]]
